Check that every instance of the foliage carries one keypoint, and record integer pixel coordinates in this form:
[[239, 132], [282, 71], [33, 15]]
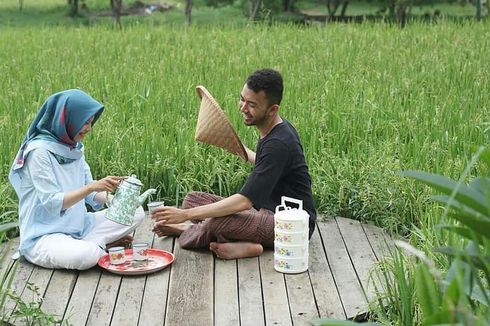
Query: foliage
[[30, 312], [26, 312], [416, 292], [370, 101], [8, 210], [218, 3]]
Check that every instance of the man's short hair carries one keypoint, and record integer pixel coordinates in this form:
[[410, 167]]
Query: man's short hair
[[269, 81]]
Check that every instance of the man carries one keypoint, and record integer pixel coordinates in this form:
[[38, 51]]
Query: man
[[243, 224]]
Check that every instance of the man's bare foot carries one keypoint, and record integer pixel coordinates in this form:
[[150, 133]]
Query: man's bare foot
[[233, 250], [123, 242], [173, 230]]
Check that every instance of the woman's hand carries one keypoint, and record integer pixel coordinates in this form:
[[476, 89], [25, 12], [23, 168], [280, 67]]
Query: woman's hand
[[109, 184], [170, 215]]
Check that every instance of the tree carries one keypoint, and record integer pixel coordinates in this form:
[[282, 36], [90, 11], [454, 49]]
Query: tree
[[73, 8], [116, 6], [333, 6], [188, 11]]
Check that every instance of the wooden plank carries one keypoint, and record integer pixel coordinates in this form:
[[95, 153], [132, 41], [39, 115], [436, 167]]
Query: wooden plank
[[343, 272], [191, 288], [326, 293], [39, 278], [6, 252], [380, 241], [250, 292], [104, 300], [226, 308], [381, 244], [360, 252], [301, 298], [154, 302], [129, 299], [276, 305], [78, 309], [16, 282], [58, 292], [132, 287]]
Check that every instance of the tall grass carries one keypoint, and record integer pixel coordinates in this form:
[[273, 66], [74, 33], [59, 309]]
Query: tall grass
[[367, 100]]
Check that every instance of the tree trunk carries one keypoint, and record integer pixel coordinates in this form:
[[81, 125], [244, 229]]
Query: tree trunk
[[73, 8], [116, 6], [254, 7], [288, 5], [188, 12], [21, 5], [332, 11], [478, 9], [401, 15], [391, 8], [344, 8]]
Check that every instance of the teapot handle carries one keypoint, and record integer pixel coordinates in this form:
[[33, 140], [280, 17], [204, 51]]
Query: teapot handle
[[298, 202], [107, 201]]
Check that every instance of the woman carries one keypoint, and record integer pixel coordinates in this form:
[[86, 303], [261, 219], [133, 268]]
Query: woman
[[53, 183]]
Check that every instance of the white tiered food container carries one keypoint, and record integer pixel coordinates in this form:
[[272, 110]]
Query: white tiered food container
[[290, 237]]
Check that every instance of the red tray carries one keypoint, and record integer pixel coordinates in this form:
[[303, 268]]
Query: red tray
[[157, 260]]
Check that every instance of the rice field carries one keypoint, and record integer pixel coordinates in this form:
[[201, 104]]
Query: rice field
[[368, 101]]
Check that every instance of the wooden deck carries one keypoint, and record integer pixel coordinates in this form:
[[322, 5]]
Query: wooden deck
[[198, 289]]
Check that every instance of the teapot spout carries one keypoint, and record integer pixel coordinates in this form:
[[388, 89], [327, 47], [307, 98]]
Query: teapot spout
[[143, 196]]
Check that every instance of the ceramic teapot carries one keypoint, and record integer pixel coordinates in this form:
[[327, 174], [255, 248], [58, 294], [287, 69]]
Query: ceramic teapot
[[126, 200]]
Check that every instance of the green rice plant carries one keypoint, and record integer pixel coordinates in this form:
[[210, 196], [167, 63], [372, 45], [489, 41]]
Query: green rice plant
[[464, 295], [367, 100], [394, 285]]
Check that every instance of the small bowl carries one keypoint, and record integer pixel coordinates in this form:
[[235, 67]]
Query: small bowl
[[117, 255], [290, 237], [290, 265], [290, 251], [291, 225]]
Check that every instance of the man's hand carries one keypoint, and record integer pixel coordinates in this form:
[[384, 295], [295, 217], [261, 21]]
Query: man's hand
[[170, 215]]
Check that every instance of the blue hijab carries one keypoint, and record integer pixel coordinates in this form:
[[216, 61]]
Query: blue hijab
[[55, 126]]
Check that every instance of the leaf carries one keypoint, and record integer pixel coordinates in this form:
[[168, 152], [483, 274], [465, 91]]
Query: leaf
[[427, 291], [464, 194], [335, 322], [474, 260], [485, 156], [462, 231], [482, 185], [454, 204], [8, 226], [477, 224]]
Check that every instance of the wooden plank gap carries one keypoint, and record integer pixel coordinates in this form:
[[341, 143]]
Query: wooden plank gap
[[262, 291]]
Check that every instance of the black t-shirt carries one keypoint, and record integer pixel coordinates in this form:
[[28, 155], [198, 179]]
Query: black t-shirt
[[280, 170]]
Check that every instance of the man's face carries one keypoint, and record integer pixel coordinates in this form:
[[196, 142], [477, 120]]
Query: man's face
[[253, 106]]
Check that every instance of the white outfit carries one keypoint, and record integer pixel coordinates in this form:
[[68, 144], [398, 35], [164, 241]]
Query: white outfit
[[51, 236], [59, 250]]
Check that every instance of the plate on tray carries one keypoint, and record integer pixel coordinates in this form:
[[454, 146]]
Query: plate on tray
[[157, 260]]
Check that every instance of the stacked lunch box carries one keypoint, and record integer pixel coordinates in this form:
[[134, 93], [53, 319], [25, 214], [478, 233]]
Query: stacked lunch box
[[291, 237]]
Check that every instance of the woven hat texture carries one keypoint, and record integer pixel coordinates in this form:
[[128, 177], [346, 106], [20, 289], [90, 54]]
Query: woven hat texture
[[214, 128]]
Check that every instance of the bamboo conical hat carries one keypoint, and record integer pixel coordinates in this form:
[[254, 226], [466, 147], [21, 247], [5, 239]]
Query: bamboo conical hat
[[214, 128]]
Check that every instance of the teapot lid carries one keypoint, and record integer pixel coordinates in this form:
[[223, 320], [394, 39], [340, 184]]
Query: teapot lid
[[133, 180]]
